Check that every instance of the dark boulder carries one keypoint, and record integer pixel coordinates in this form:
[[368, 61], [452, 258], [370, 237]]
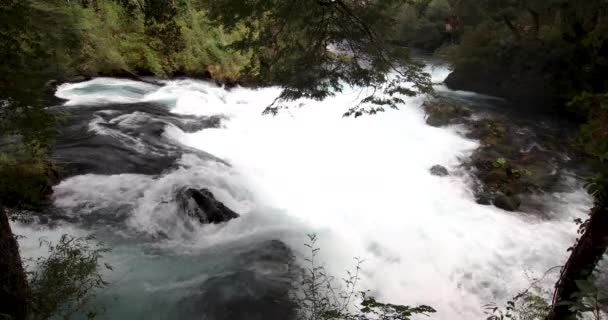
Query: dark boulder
[[530, 90], [439, 170], [202, 205], [442, 113], [484, 198], [508, 203]]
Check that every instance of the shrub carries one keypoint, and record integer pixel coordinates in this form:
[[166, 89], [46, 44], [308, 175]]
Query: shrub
[[25, 176], [321, 298], [63, 284]]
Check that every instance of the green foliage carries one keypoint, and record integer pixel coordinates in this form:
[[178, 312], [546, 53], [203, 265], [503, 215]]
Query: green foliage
[[321, 298], [63, 284], [500, 163], [161, 39], [313, 49], [530, 304], [29, 59], [594, 104], [478, 46], [25, 176], [69, 38], [419, 27], [587, 299]]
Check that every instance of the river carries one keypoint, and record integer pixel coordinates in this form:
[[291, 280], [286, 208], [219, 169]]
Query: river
[[362, 185]]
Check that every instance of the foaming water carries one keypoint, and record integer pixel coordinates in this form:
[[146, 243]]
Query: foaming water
[[103, 91], [363, 185]]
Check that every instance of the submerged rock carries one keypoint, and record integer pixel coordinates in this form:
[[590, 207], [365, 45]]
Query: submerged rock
[[123, 138], [254, 285], [439, 170], [202, 205]]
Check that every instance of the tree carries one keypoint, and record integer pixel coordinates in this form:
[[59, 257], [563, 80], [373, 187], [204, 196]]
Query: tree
[[314, 48], [587, 28], [161, 25], [14, 290]]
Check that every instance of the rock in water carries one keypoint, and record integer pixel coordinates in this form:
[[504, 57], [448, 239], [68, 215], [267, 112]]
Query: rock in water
[[441, 113], [438, 170], [508, 203], [484, 198], [202, 205]]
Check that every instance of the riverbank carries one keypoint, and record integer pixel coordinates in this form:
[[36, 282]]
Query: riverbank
[[520, 157]]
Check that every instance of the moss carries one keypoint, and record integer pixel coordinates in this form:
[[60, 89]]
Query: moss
[[26, 176], [489, 131], [440, 112]]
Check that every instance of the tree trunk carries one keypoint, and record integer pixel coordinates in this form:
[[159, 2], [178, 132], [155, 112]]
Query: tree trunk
[[512, 27], [585, 256], [14, 292]]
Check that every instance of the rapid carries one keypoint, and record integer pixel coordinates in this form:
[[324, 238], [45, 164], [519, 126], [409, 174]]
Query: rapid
[[362, 185]]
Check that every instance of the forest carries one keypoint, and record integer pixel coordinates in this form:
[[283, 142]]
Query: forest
[[547, 57]]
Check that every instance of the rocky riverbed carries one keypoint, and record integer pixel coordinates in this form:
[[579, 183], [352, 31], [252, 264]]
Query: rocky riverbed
[[520, 156]]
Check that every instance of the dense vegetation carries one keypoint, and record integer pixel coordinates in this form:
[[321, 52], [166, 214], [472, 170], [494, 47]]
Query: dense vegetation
[[536, 53]]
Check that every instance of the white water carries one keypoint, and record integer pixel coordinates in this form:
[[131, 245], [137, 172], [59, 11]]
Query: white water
[[362, 185]]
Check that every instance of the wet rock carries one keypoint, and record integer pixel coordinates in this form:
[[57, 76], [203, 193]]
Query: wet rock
[[440, 113], [439, 170], [527, 89], [489, 131], [76, 79], [202, 205], [484, 198], [508, 203], [127, 138]]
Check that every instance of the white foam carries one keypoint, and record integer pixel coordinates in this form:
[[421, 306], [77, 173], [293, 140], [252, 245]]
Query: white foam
[[104, 91], [364, 184]]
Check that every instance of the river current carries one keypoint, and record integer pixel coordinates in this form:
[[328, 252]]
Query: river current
[[362, 185]]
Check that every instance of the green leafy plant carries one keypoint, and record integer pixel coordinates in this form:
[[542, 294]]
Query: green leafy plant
[[587, 299], [26, 175], [529, 304], [63, 284], [321, 298], [500, 163]]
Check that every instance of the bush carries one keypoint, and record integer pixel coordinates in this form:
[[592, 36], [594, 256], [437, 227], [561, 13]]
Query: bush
[[321, 298], [530, 305], [26, 177], [63, 284]]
